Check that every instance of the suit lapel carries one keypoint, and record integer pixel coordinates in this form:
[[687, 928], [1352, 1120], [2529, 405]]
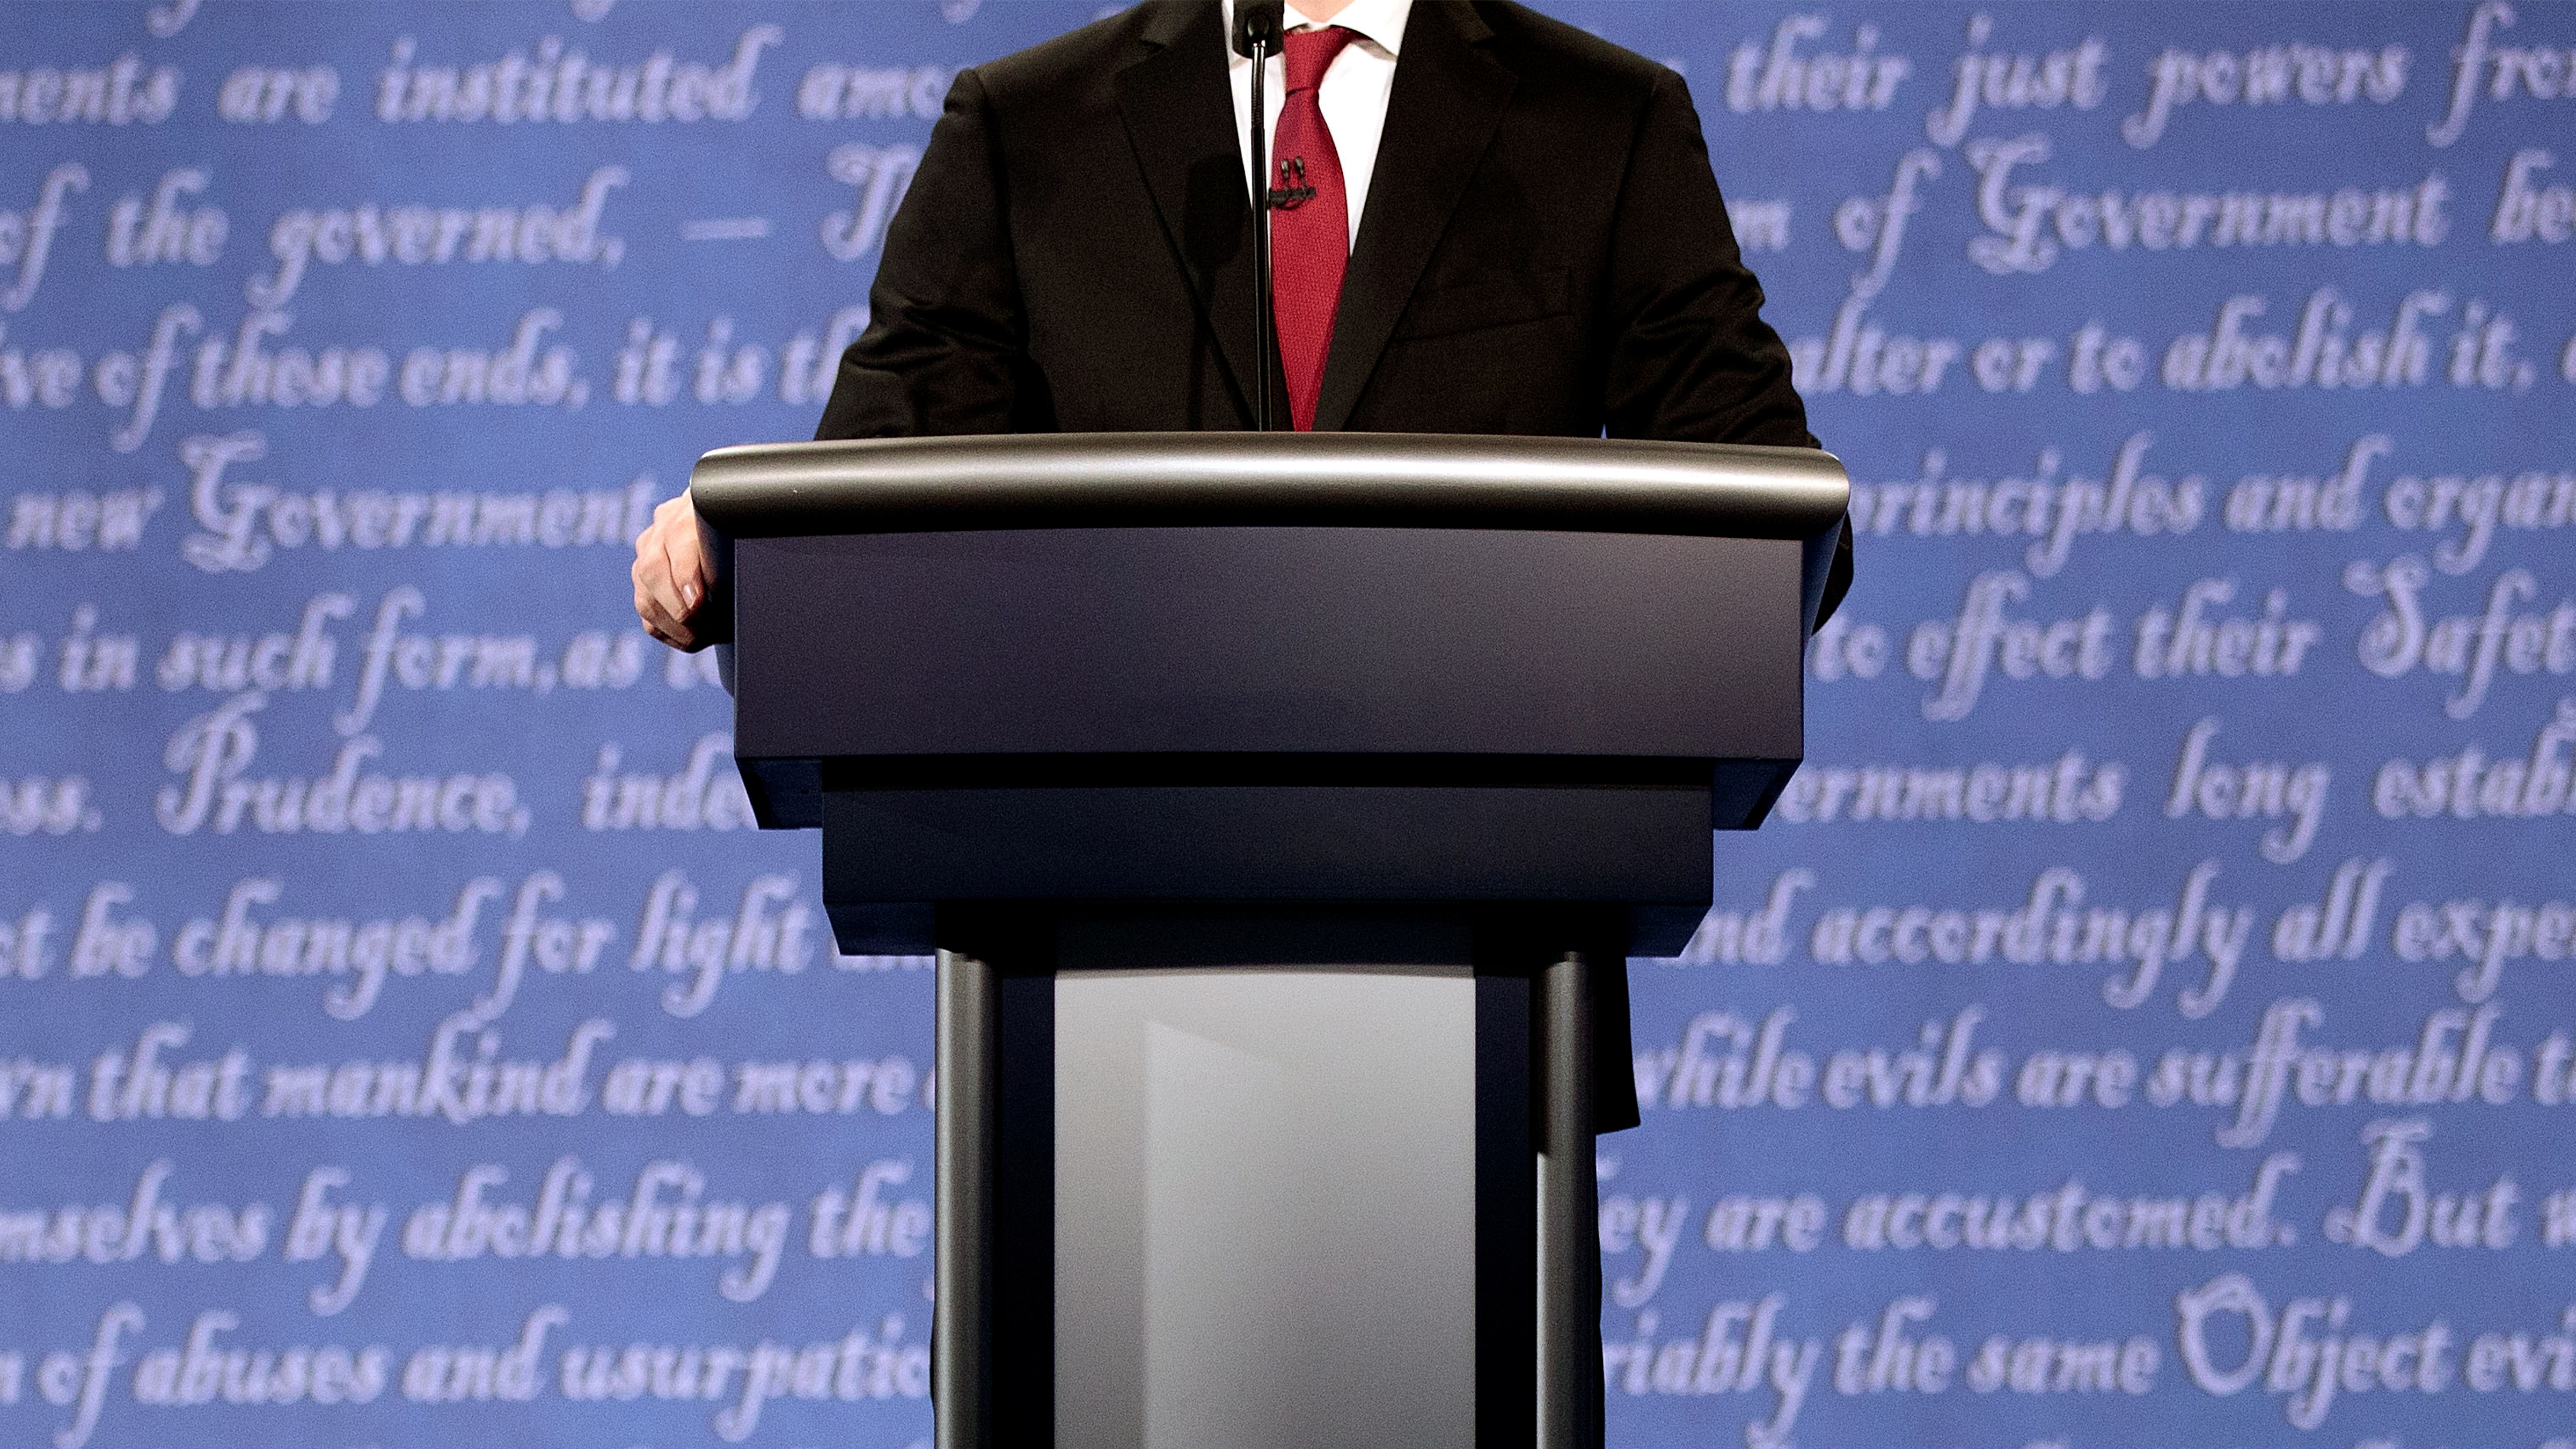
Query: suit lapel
[[1179, 115], [1449, 96]]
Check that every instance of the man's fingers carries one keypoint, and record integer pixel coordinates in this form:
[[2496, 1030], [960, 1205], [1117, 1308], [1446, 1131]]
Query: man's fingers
[[671, 574], [658, 621], [686, 559], [663, 627], [657, 578], [690, 567], [654, 603]]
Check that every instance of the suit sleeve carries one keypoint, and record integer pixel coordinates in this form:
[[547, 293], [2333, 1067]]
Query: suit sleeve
[[946, 348], [1693, 360]]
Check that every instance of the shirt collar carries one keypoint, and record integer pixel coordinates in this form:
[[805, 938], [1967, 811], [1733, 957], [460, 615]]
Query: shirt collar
[[1379, 22]]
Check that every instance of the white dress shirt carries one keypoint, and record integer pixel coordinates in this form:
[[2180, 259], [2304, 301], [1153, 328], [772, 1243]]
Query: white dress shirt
[[1352, 96]]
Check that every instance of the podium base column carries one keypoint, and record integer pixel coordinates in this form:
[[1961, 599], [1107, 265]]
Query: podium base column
[[1267, 1177]]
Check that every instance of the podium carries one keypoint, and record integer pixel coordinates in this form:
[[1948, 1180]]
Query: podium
[[1282, 809]]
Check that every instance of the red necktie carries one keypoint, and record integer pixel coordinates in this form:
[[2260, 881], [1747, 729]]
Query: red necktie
[[1310, 235]]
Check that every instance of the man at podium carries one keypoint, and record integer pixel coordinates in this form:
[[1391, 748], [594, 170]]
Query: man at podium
[[1486, 222]]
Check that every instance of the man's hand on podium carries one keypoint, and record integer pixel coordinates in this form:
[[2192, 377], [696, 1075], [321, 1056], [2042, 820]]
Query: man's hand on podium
[[671, 575]]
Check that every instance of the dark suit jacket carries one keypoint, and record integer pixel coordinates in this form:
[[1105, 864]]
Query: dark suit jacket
[[1542, 250]]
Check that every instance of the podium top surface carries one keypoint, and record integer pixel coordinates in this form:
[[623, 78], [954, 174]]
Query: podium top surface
[[1397, 480]]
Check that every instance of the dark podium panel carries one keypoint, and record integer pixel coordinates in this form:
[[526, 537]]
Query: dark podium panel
[[1278, 806]]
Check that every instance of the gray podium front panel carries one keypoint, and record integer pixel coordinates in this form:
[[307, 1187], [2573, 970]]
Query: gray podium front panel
[[1265, 1217], [1270, 1177]]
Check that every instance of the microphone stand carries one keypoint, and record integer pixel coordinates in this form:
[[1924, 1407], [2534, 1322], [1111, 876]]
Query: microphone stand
[[1257, 28]]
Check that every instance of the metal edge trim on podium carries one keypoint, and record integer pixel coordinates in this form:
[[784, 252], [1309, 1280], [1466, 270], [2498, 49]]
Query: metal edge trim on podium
[[1132, 480]]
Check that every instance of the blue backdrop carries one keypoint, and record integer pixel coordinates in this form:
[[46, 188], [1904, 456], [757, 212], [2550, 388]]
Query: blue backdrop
[[2147, 1019]]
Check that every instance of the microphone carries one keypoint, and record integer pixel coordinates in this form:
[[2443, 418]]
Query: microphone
[[1258, 25], [1258, 22]]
